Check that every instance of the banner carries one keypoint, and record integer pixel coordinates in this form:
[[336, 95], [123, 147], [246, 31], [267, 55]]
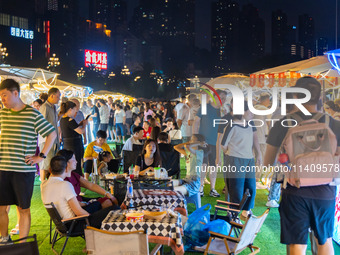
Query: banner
[[261, 81], [271, 80], [252, 80], [282, 79]]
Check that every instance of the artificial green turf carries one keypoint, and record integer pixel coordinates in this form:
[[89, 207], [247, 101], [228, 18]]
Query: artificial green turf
[[268, 239]]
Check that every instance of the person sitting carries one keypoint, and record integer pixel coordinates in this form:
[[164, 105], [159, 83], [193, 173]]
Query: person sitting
[[138, 134], [104, 158], [88, 204], [147, 130], [92, 151], [164, 142], [61, 193], [136, 122], [149, 158], [155, 133]]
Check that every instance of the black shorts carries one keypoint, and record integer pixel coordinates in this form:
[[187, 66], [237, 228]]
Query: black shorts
[[16, 188], [298, 214]]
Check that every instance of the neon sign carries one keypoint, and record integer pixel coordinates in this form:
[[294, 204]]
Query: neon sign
[[22, 33], [95, 59]]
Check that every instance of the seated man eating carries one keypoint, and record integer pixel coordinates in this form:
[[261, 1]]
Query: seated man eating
[[62, 194]]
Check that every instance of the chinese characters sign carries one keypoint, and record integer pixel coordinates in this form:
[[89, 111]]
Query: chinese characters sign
[[23, 33], [96, 59]]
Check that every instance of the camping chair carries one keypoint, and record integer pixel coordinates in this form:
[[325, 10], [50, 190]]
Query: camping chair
[[130, 157], [63, 228], [171, 162], [102, 242], [226, 244], [233, 210], [16, 248]]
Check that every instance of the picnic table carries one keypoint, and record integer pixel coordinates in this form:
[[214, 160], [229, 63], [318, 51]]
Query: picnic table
[[157, 197], [167, 231]]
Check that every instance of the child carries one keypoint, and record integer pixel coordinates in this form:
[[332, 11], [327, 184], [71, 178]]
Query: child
[[193, 151], [104, 157]]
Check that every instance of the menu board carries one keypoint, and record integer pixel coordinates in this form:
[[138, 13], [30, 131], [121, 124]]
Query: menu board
[[336, 234]]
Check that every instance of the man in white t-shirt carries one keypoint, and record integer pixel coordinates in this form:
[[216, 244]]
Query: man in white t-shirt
[[179, 105], [134, 139], [119, 122], [183, 119]]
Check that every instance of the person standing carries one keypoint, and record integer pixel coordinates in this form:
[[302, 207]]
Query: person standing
[[104, 113], [119, 122], [79, 117], [309, 207], [49, 112], [20, 124], [72, 131], [95, 117], [183, 119]]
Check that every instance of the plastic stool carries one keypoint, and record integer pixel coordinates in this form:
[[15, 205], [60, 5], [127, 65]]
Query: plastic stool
[[194, 199]]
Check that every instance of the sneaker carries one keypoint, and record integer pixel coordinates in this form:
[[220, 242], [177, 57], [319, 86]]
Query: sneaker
[[15, 231], [214, 193], [272, 204], [5, 240], [206, 181], [202, 193], [82, 194]]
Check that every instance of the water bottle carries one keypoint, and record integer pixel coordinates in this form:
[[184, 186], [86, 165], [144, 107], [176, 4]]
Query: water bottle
[[129, 192]]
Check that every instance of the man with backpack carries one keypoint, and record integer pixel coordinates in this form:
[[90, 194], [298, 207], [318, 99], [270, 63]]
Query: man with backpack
[[306, 205]]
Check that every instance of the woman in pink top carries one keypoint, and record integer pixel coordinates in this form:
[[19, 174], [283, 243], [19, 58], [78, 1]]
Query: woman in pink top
[[148, 111]]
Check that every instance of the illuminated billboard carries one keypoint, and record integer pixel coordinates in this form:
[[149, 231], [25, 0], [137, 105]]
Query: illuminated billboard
[[95, 59]]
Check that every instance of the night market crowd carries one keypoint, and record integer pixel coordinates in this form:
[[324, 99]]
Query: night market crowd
[[61, 139]]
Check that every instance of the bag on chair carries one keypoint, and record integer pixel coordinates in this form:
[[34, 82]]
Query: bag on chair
[[194, 229]]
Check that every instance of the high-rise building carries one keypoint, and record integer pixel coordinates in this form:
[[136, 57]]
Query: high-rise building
[[225, 31], [321, 46], [307, 36], [167, 22], [280, 46], [252, 36]]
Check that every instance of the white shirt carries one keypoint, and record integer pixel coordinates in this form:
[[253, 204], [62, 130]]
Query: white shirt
[[119, 115], [175, 134], [104, 113], [128, 146], [240, 142], [262, 131], [178, 107], [135, 110], [183, 114], [58, 191]]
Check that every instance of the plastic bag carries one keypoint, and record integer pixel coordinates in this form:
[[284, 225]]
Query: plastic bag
[[219, 226], [194, 233]]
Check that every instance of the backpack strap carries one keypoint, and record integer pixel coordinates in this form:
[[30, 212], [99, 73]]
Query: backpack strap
[[296, 117], [318, 116]]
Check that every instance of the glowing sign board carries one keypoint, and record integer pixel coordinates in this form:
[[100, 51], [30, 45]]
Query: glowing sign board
[[22, 33], [95, 59]]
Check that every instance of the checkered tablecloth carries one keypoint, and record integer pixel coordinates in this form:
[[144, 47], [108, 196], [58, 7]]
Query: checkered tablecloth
[[164, 198], [166, 231]]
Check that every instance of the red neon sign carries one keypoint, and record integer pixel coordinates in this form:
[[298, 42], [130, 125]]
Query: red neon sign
[[95, 59]]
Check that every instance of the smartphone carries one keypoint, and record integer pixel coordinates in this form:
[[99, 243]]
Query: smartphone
[[88, 116]]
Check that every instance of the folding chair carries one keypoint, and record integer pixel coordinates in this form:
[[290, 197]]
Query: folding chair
[[171, 162], [102, 242], [30, 247], [129, 157], [226, 244], [233, 210], [63, 228]]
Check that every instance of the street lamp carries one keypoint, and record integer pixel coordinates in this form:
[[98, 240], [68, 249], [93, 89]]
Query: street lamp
[[3, 54], [53, 62], [111, 75], [125, 71], [80, 73]]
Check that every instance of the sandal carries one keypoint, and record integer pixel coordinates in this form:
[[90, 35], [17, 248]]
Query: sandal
[[15, 231]]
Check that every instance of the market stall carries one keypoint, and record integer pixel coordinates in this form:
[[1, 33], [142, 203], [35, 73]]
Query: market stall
[[105, 94]]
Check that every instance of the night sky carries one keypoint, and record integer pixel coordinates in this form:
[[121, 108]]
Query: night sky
[[323, 13]]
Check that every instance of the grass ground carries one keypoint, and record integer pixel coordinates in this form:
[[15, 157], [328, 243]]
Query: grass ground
[[268, 239]]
